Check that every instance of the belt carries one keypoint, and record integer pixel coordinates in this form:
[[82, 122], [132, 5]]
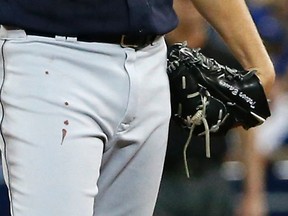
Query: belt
[[132, 41]]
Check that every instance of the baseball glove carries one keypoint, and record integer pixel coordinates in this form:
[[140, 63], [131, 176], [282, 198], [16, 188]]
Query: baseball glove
[[207, 97]]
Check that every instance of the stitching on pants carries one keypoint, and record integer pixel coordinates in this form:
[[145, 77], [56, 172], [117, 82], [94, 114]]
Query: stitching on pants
[[1, 123]]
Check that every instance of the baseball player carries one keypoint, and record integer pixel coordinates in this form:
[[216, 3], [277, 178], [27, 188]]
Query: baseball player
[[86, 102]]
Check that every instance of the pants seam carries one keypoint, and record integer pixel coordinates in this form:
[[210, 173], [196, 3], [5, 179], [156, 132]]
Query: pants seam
[[1, 127]]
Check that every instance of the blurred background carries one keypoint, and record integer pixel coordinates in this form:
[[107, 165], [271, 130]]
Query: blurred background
[[247, 174]]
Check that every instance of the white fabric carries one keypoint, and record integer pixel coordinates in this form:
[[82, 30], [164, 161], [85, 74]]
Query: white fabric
[[270, 135], [74, 110]]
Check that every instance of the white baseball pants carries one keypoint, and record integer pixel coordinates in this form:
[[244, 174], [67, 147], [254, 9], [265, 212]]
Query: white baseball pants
[[84, 125]]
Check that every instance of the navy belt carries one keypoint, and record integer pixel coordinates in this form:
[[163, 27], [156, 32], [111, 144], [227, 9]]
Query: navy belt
[[132, 41]]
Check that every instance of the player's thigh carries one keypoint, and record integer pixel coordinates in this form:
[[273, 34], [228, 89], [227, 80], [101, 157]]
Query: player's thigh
[[133, 163], [52, 151]]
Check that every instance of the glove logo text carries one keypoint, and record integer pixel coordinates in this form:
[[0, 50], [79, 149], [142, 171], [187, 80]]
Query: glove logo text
[[235, 91]]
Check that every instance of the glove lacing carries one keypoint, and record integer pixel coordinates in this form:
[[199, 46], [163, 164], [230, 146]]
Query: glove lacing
[[198, 118], [193, 56]]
